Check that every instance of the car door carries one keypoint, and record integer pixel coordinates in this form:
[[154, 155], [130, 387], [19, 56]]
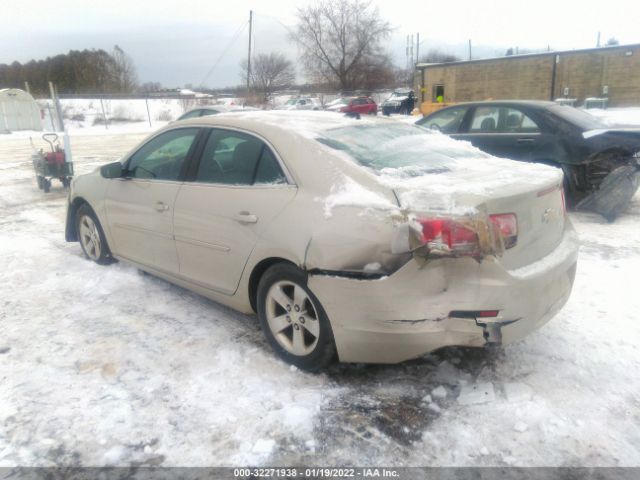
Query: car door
[[503, 131], [236, 189], [358, 105], [139, 205]]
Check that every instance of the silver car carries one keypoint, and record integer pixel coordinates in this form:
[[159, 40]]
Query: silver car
[[368, 240]]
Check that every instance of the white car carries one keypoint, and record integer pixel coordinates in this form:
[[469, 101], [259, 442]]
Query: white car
[[306, 103], [370, 240]]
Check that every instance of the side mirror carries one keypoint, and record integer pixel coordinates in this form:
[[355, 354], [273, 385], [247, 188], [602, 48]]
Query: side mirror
[[111, 170]]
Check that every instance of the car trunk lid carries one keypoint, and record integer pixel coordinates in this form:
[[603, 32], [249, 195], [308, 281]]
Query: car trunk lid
[[533, 193]]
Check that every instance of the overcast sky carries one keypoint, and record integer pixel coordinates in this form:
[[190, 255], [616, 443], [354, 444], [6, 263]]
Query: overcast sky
[[179, 42]]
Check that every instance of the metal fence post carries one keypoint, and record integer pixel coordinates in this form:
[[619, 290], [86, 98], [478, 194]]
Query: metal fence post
[[104, 115], [146, 101]]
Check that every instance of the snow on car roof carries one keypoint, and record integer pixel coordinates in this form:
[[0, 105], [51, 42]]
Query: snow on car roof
[[310, 124]]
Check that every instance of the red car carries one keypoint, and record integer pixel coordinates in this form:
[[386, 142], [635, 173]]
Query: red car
[[362, 105]]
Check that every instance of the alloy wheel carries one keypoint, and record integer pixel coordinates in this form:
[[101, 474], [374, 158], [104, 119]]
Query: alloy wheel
[[292, 318], [90, 238]]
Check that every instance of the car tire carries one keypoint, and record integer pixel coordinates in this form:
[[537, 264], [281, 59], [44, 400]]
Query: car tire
[[46, 185], [300, 333], [91, 236]]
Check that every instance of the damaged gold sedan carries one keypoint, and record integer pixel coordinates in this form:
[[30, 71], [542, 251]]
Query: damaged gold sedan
[[368, 240]]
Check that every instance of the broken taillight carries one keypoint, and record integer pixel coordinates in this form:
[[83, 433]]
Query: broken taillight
[[507, 226], [449, 235]]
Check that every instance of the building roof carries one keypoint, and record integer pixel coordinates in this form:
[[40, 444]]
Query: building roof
[[423, 66]]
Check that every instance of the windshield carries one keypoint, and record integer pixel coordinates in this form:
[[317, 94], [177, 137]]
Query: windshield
[[291, 102], [401, 149], [577, 117]]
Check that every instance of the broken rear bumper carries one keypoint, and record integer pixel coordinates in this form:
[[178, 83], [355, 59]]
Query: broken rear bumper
[[407, 314]]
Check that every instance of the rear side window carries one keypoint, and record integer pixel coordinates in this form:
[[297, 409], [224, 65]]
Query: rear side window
[[516, 121], [497, 119], [269, 170], [235, 158]]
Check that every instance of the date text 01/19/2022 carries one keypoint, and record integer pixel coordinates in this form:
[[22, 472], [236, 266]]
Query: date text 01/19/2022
[[318, 472]]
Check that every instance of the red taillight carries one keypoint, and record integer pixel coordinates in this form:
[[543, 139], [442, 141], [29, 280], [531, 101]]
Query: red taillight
[[443, 232], [507, 225]]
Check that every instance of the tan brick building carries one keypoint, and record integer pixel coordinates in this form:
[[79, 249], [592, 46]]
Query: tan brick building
[[611, 72]]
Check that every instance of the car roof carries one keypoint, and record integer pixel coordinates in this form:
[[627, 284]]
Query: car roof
[[524, 103], [291, 122]]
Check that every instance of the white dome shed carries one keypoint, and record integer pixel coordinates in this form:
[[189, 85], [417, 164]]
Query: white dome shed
[[18, 111]]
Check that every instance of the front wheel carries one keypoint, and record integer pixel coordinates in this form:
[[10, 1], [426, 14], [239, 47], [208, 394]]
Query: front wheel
[[293, 320], [91, 236]]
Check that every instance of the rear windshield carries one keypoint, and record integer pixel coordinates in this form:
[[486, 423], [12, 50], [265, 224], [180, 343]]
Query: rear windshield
[[385, 147], [577, 117]]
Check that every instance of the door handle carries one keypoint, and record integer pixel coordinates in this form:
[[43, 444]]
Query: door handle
[[161, 207], [245, 217], [525, 140]]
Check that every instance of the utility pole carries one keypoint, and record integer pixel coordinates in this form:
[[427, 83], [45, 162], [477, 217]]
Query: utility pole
[[417, 47], [412, 61], [407, 54], [598, 42], [249, 55], [56, 105], [469, 49]]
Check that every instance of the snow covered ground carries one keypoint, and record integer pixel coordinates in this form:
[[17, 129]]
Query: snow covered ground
[[106, 366]]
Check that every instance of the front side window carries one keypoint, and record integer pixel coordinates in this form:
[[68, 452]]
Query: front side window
[[235, 158], [446, 121], [162, 157]]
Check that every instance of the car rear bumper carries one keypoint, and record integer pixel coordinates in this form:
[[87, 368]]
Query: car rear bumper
[[408, 313]]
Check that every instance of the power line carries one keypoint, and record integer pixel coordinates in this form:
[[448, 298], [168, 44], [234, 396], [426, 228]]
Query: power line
[[288, 28], [239, 31]]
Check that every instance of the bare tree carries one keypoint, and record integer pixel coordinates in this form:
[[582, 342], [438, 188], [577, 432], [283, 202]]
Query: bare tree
[[150, 87], [338, 37], [124, 71], [375, 72], [268, 73], [438, 56]]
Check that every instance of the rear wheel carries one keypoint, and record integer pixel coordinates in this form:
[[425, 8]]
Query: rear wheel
[[46, 185], [293, 320], [91, 236]]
